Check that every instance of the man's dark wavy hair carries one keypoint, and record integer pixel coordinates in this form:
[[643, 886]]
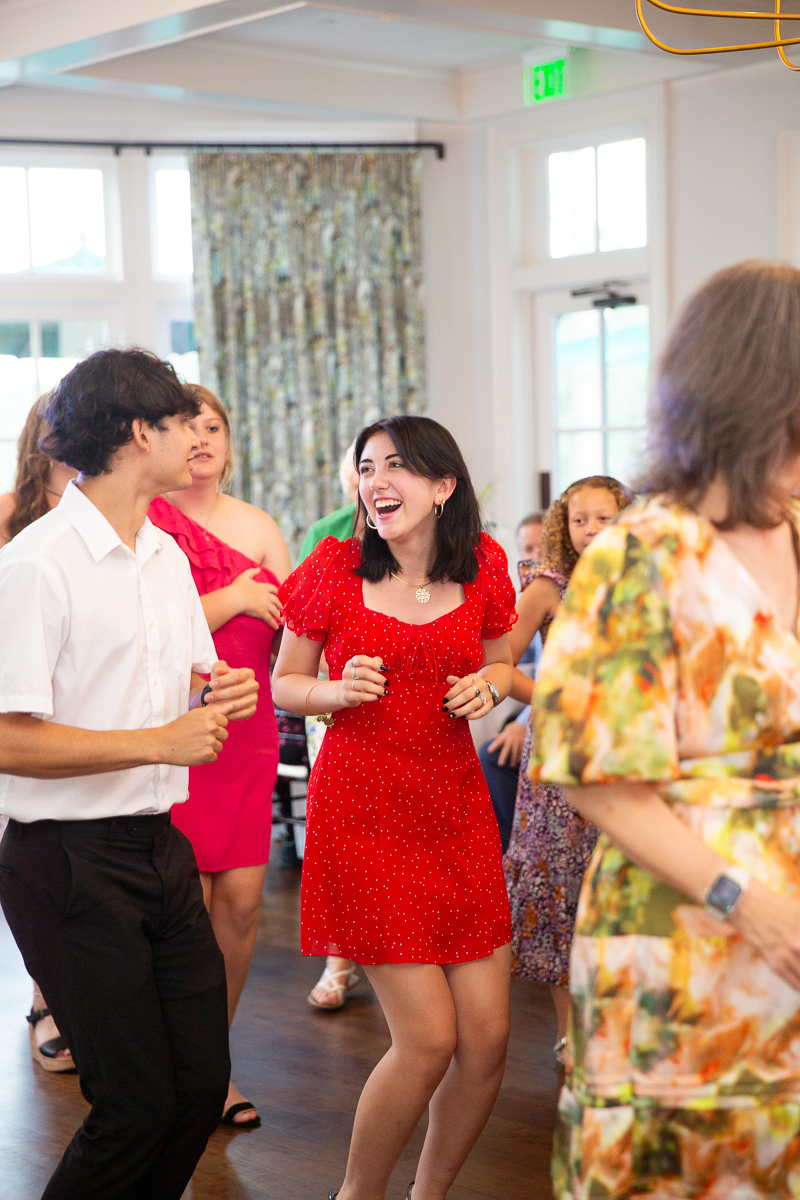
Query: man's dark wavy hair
[[429, 450], [91, 412]]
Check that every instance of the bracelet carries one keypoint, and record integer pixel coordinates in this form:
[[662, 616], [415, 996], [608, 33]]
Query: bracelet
[[494, 693], [326, 718]]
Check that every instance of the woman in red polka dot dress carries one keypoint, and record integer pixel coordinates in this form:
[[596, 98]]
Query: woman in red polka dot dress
[[403, 866]]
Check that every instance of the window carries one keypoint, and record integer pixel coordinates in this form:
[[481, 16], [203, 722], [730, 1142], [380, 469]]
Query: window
[[183, 351], [601, 363], [52, 221], [597, 198], [173, 222], [34, 356]]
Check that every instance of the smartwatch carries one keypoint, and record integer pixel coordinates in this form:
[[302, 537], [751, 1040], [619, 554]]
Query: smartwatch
[[723, 895]]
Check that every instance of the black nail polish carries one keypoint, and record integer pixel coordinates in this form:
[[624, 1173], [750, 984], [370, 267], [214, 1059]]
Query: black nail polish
[[383, 667], [452, 714]]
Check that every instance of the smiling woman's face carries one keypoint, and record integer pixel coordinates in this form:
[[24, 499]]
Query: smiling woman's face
[[397, 501], [208, 462]]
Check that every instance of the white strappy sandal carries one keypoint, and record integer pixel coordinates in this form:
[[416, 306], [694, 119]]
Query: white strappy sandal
[[335, 984]]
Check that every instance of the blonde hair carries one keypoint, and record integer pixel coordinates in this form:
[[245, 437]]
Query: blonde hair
[[557, 551], [216, 404]]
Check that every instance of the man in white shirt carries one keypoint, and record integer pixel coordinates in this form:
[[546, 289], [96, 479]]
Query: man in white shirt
[[104, 640]]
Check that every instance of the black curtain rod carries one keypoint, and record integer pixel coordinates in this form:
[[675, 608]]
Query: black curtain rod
[[118, 147]]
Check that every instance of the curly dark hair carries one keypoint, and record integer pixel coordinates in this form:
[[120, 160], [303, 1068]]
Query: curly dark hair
[[91, 411], [429, 450], [557, 551]]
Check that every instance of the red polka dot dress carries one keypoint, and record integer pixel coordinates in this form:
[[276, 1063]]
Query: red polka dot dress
[[403, 860]]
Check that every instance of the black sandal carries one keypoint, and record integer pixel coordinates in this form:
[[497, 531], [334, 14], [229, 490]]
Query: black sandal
[[230, 1113], [45, 1055]]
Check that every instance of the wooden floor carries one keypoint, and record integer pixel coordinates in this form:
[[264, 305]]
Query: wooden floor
[[304, 1070]]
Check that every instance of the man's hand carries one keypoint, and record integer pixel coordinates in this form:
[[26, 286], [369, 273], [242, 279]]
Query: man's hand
[[234, 691], [194, 738], [509, 742]]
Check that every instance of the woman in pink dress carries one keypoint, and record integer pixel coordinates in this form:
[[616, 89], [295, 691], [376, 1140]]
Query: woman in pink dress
[[238, 557]]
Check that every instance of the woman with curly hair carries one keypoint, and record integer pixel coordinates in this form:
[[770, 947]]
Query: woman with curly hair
[[551, 843]]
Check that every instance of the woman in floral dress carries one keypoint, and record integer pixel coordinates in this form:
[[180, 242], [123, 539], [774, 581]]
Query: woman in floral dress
[[551, 843], [669, 692]]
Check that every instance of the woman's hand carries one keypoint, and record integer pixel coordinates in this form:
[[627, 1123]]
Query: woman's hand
[[468, 697], [509, 742], [770, 922], [259, 600], [363, 679]]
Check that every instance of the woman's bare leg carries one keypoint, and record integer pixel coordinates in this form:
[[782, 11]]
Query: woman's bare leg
[[464, 1099], [419, 1010], [562, 1002], [340, 967], [233, 900]]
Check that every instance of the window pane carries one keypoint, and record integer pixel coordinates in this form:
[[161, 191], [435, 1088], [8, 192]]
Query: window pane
[[68, 232], [624, 450], [174, 222], [578, 378], [573, 215], [14, 246], [17, 377], [15, 338], [181, 336], [579, 455], [65, 343], [627, 351], [622, 195]]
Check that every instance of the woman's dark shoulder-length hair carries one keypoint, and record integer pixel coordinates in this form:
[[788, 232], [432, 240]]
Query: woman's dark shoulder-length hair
[[727, 394], [427, 449]]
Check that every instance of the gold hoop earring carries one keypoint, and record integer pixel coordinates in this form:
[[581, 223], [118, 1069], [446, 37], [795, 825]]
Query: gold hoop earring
[[371, 524], [439, 510]]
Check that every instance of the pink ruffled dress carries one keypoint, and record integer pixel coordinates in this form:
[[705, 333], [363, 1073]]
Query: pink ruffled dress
[[228, 816]]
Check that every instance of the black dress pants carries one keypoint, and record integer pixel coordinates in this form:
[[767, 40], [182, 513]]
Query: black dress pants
[[109, 918]]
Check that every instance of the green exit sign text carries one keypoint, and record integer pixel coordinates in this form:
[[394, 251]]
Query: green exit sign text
[[543, 81]]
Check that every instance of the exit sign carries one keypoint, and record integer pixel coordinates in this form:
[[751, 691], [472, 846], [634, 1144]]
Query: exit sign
[[543, 81]]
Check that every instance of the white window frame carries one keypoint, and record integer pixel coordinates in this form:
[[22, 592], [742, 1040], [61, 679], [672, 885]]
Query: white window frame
[[162, 162], [516, 452], [546, 308], [104, 161]]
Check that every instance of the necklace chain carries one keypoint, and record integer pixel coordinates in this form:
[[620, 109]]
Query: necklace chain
[[422, 594]]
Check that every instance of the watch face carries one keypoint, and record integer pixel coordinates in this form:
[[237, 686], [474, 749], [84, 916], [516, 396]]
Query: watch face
[[724, 894]]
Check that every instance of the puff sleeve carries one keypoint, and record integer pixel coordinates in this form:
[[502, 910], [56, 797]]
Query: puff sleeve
[[605, 703], [307, 593], [497, 589]]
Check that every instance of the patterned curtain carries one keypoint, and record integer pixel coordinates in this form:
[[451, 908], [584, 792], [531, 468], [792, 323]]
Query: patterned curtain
[[309, 312]]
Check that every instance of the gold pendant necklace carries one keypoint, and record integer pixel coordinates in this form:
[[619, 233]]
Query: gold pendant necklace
[[422, 595]]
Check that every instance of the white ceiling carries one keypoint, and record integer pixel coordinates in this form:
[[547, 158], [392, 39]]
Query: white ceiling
[[378, 38]]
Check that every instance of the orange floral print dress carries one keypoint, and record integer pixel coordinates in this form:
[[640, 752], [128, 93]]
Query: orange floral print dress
[[666, 663]]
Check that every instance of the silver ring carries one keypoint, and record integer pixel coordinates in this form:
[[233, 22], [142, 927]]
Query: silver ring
[[355, 675], [478, 692]]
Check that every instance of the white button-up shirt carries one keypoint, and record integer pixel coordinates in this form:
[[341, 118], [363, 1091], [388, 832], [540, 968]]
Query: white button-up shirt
[[97, 637]]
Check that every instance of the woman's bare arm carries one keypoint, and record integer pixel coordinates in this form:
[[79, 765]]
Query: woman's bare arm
[[539, 601], [647, 830]]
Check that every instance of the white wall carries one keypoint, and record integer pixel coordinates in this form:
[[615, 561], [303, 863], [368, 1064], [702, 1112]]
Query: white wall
[[720, 183]]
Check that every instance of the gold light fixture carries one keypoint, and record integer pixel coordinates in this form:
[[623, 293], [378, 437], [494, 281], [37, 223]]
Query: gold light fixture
[[776, 16]]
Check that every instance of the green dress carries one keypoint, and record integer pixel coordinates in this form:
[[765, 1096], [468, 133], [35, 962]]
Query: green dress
[[338, 524], [666, 663]]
